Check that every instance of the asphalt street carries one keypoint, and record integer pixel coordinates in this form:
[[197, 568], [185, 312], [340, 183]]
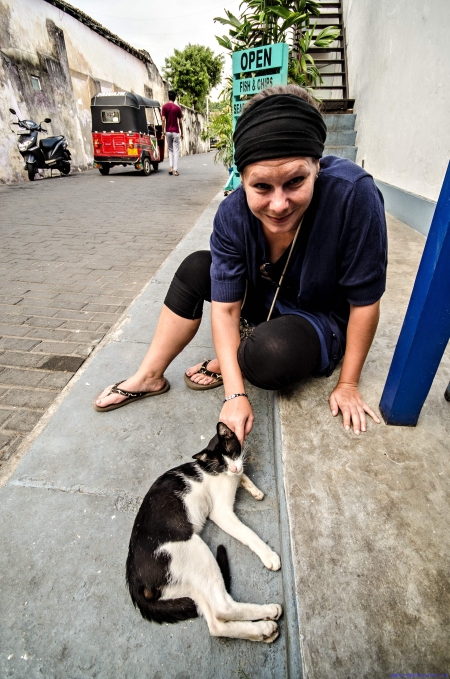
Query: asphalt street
[[75, 252]]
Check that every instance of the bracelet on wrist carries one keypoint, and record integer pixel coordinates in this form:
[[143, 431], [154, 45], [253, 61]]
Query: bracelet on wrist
[[228, 398]]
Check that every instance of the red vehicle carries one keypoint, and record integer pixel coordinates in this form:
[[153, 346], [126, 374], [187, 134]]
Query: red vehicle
[[126, 130]]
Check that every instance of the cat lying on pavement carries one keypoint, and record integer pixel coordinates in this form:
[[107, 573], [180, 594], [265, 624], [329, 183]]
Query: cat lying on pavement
[[171, 573]]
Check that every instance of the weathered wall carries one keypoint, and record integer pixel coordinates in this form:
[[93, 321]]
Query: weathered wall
[[73, 62], [399, 69], [193, 124]]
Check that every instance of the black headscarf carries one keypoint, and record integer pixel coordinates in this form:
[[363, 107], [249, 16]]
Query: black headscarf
[[278, 126]]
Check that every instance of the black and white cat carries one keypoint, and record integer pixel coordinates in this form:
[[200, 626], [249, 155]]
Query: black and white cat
[[171, 573]]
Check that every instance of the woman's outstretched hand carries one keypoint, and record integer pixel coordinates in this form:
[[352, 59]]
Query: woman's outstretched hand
[[346, 398], [237, 414]]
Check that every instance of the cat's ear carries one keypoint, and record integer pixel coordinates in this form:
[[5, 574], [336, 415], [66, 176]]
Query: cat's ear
[[203, 455], [224, 432], [228, 439]]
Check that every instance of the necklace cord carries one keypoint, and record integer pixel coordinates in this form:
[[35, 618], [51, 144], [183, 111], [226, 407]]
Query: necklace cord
[[280, 282]]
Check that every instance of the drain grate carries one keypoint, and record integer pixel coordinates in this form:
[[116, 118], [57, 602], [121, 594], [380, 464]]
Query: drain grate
[[68, 364]]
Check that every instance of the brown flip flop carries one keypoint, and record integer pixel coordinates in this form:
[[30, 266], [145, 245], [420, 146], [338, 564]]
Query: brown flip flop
[[131, 396], [208, 373]]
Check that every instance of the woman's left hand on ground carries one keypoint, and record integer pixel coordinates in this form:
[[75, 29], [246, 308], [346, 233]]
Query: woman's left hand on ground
[[347, 399]]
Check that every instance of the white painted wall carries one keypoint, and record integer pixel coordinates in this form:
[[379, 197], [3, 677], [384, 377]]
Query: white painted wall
[[91, 59], [399, 71]]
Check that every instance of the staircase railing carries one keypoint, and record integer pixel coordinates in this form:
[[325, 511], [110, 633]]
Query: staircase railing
[[332, 61]]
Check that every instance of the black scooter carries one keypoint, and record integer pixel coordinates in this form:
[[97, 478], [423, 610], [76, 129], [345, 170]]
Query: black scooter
[[51, 153]]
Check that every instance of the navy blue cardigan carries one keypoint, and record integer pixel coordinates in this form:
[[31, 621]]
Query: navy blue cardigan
[[341, 255]]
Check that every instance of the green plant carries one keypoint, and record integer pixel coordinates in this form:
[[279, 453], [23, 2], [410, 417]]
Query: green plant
[[263, 22], [193, 72], [220, 127]]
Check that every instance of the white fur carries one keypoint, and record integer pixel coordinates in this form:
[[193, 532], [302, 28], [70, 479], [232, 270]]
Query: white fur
[[195, 572]]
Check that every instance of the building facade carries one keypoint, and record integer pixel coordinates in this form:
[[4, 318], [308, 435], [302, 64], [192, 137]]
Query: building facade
[[399, 70]]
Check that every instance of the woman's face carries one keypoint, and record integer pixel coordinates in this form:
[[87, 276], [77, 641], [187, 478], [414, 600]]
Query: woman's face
[[279, 191]]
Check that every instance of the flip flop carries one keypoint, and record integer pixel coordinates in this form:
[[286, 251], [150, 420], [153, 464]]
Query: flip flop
[[131, 396], [176, 173], [208, 373]]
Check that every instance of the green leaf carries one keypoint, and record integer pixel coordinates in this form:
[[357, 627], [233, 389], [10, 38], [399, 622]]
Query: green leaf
[[330, 32], [291, 22], [282, 12], [221, 20], [224, 41]]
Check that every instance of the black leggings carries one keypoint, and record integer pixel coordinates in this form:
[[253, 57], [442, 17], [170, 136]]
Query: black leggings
[[278, 353]]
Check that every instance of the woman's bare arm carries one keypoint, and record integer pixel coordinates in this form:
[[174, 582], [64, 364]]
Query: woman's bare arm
[[346, 397], [236, 413]]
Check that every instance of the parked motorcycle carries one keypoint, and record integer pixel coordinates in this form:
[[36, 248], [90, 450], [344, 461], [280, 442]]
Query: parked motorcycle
[[51, 153]]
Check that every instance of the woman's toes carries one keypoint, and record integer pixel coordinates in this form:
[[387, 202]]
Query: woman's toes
[[190, 372], [103, 395]]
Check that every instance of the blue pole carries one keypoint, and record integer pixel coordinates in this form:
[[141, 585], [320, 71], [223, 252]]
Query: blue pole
[[426, 328]]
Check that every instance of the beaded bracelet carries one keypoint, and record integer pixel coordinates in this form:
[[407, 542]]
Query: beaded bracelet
[[228, 398]]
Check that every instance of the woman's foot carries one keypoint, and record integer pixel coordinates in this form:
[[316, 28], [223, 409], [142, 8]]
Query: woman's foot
[[133, 384], [199, 378]]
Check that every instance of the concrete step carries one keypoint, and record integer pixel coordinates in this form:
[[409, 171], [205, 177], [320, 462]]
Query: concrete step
[[348, 152], [340, 121], [341, 137]]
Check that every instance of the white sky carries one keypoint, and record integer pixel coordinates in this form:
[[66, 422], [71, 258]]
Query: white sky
[[160, 27]]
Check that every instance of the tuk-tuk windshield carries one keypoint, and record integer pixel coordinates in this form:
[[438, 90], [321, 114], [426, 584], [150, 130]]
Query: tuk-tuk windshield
[[111, 116]]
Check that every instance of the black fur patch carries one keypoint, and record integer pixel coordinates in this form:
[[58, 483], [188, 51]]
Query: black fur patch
[[224, 565], [161, 518]]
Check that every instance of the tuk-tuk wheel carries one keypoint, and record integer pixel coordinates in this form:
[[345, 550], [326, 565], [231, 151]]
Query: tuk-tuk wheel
[[146, 167], [104, 169], [155, 167]]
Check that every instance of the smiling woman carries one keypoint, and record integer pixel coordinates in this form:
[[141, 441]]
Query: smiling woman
[[298, 251]]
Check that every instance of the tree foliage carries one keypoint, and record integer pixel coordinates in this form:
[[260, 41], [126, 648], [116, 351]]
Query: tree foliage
[[263, 22], [193, 72]]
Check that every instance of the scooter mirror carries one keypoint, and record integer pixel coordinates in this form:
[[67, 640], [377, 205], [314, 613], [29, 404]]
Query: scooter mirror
[[11, 110], [47, 120]]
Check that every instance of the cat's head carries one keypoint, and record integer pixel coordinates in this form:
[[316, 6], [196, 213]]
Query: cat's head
[[222, 454]]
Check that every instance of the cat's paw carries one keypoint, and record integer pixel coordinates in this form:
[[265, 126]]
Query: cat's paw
[[272, 633], [275, 612], [271, 560], [258, 494], [266, 631]]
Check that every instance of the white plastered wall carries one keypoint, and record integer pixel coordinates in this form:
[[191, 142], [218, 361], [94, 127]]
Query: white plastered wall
[[399, 72]]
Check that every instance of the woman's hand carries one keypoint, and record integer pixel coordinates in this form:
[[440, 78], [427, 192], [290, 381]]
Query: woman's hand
[[347, 398], [237, 414]]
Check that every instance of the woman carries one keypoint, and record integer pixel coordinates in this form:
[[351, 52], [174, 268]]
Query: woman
[[299, 251]]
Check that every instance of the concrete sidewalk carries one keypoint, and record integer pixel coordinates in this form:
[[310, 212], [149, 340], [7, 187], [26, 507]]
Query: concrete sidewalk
[[69, 507]]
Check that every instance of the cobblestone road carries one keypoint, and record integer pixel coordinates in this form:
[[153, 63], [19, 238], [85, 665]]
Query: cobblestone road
[[75, 251]]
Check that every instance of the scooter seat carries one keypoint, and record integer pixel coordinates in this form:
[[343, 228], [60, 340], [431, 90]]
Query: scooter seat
[[49, 142]]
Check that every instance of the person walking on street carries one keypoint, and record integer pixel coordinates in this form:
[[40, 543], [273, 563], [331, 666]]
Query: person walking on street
[[172, 130]]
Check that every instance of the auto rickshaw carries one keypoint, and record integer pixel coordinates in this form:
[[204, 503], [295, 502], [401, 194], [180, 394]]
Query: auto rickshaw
[[126, 130]]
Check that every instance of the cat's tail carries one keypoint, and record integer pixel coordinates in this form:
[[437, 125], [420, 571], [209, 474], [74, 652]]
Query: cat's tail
[[164, 610], [224, 565]]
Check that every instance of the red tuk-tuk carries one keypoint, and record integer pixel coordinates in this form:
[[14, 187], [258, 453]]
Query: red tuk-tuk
[[126, 130]]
